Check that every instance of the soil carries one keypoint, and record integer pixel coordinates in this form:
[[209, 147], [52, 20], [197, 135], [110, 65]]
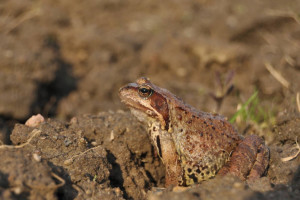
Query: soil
[[67, 59]]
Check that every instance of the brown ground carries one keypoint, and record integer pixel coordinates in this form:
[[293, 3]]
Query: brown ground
[[67, 59]]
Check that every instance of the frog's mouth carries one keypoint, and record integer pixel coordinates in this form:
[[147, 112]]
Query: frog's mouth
[[137, 107]]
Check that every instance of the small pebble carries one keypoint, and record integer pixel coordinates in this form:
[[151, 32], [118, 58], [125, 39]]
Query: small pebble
[[118, 191], [112, 136], [68, 162], [35, 120], [37, 157], [17, 190]]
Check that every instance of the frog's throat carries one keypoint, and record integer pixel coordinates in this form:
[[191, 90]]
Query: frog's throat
[[144, 117]]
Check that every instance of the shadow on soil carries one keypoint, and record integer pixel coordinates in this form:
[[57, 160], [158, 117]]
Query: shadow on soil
[[49, 94], [116, 177]]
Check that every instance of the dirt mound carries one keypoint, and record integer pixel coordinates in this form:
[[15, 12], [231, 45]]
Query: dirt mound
[[96, 156]]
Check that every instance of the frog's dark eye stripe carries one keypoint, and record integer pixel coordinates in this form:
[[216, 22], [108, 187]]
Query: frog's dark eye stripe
[[145, 91]]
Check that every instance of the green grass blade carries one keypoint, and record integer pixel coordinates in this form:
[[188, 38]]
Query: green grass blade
[[233, 118]]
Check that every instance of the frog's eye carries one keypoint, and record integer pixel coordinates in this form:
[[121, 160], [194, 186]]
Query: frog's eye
[[145, 92]]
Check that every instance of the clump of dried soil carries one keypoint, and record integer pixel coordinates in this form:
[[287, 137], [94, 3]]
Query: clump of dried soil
[[95, 156]]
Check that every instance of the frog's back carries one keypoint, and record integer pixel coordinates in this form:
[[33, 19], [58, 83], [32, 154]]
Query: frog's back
[[204, 143]]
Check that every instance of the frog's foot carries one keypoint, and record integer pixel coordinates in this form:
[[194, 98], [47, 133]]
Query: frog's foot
[[249, 160]]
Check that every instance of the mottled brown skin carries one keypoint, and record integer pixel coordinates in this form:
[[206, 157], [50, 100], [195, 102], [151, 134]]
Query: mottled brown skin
[[193, 145]]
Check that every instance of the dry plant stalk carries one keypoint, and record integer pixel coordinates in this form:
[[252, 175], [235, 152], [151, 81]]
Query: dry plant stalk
[[279, 13], [35, 132], [49, 187], [62, 181], [224, 88], [70, 160], [277, 75], [289, 60], [293, 156], [24, 17], [78, 189], [298, 100]]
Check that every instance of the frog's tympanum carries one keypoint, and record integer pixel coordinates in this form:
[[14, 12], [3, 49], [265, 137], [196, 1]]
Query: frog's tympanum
[[193, 145]]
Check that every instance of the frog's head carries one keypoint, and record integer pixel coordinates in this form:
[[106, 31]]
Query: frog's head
[[147, 100]]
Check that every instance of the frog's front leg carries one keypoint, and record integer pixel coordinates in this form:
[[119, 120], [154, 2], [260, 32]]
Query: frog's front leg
[[249, 160], [167, 152]]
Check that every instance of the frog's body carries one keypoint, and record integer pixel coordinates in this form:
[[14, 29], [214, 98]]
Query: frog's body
[[193, 145]]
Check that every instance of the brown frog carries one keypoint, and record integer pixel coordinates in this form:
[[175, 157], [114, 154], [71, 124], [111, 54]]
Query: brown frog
[[193, 145]]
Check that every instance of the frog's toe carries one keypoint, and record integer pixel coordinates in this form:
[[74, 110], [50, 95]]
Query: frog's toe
[[261, 163]]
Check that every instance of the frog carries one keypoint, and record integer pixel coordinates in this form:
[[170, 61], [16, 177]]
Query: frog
[[193, 145]]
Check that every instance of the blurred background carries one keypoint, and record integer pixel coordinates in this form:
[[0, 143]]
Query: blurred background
[[66, 58]]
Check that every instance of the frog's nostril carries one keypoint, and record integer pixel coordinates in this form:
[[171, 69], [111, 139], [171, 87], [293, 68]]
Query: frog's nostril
[[121, 89], [124, 88], [122, 92]]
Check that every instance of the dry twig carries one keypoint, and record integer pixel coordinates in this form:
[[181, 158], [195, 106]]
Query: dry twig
[[78, 189], [280, 13], [277, 75], [298, 100], [289, 60], [293, 156], [70, 160], [35, 132], [58, 178], [26, 16]]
